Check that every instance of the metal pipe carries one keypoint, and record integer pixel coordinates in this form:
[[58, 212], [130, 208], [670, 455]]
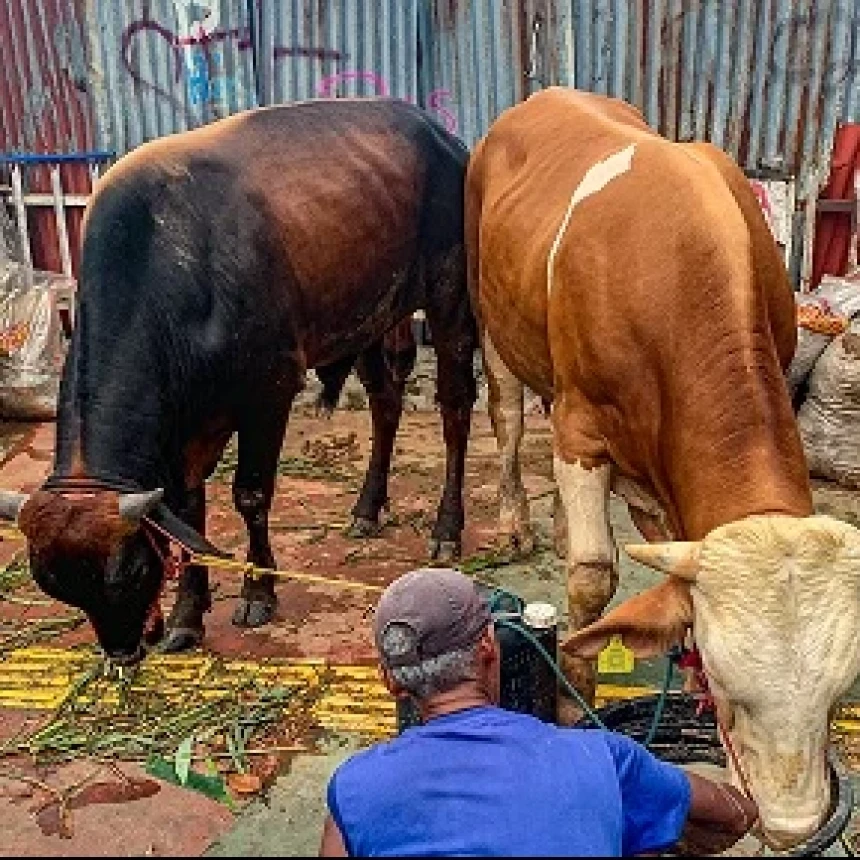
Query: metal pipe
[[21, 218], [60, 217]]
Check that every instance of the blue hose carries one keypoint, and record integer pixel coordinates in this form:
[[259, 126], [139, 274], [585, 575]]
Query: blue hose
[[569, 688]]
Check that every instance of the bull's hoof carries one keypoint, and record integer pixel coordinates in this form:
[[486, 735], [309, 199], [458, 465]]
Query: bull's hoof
[[444, 551], [254, 612], [185, 624], [153, 633], [181, 639], [362, 527]]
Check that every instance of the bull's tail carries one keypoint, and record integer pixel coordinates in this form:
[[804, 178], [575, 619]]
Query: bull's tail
[[333, 378], [399, 351]]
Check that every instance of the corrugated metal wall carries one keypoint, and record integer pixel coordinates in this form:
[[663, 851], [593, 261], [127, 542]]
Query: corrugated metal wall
[[767, 80], [313, 48], [160, 66], [166, 65], [474, 60]]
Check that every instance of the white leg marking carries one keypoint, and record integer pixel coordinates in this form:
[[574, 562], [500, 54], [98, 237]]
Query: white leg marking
[[597, 177], [506, 412], [585, 496]]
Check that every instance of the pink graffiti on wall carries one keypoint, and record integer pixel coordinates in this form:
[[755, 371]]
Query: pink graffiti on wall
[[436, 100], [763, 198]]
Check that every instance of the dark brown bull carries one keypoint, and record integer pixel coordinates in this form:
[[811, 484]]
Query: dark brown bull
[[218, 266]]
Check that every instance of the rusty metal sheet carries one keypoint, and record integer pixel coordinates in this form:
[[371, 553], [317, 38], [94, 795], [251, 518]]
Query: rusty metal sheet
[[45, 107]]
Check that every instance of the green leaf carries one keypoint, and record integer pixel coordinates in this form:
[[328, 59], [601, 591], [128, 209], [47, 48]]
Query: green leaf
[[182, 759], [213, 787]]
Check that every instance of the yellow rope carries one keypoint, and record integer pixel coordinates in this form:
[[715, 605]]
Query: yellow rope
[[252, 570], [245, 566]]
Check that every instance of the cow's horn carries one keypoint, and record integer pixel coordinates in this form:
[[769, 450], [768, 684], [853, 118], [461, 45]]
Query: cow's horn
[[133, 507], [678, 558], [11, 504]]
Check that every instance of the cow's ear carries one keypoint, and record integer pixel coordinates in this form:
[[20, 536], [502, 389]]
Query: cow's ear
[[649, 623]]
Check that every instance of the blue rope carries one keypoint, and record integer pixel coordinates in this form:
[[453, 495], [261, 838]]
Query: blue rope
[[661, 702]]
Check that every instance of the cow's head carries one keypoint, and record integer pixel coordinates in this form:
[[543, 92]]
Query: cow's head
[[89, 550], [774, 606]]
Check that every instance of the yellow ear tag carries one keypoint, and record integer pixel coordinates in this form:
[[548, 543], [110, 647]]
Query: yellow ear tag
[[615, 658]]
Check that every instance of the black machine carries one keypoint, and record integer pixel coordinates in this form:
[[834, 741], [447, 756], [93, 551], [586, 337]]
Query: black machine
[[528, 681]]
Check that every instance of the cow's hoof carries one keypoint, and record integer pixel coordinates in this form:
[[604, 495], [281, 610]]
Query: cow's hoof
[[255, 612], [181, 639], [444, 551], [362, 527]]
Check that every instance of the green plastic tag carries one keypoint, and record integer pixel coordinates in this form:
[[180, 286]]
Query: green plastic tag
[[615, 658]]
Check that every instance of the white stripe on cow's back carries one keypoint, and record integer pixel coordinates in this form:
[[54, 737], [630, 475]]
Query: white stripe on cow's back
[[597, 177]]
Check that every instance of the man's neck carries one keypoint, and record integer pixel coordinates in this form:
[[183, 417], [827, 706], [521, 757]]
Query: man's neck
[[460, 698]]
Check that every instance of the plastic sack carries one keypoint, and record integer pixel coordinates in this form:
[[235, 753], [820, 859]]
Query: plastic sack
[[810, 346], [837, 296], [31, 345], [830, 416], [841, 294]]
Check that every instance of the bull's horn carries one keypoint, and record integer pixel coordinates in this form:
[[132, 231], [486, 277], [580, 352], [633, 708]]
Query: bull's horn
[[11, 504], [133, 507], [678, 558], [181, 531]]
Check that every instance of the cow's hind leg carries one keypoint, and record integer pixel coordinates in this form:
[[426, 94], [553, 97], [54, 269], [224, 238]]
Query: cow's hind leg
[[184, 628], [505, 395], [260, 437], [455, 340], [384, 378], [583, 475]]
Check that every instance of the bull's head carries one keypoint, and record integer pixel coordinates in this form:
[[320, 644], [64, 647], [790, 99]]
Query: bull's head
[[774, 606], [89, 550]]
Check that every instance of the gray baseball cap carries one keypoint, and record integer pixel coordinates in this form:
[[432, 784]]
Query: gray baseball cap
[[441, 606]]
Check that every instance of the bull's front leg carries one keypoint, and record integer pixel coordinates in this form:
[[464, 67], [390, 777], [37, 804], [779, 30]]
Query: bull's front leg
[[505, 400], [184, 627], [260, 437], [583, 476]]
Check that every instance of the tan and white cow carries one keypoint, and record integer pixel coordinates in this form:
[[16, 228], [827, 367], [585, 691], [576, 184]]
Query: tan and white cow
[[634, 283]]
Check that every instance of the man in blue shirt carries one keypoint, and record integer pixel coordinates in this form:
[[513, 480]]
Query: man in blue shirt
[[475, 779]]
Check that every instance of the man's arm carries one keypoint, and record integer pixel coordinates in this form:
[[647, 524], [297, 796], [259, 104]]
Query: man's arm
[[667, 808], [719, 816], [332, 844]]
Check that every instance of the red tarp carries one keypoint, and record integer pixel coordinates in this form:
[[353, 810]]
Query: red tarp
[[833, 229]]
